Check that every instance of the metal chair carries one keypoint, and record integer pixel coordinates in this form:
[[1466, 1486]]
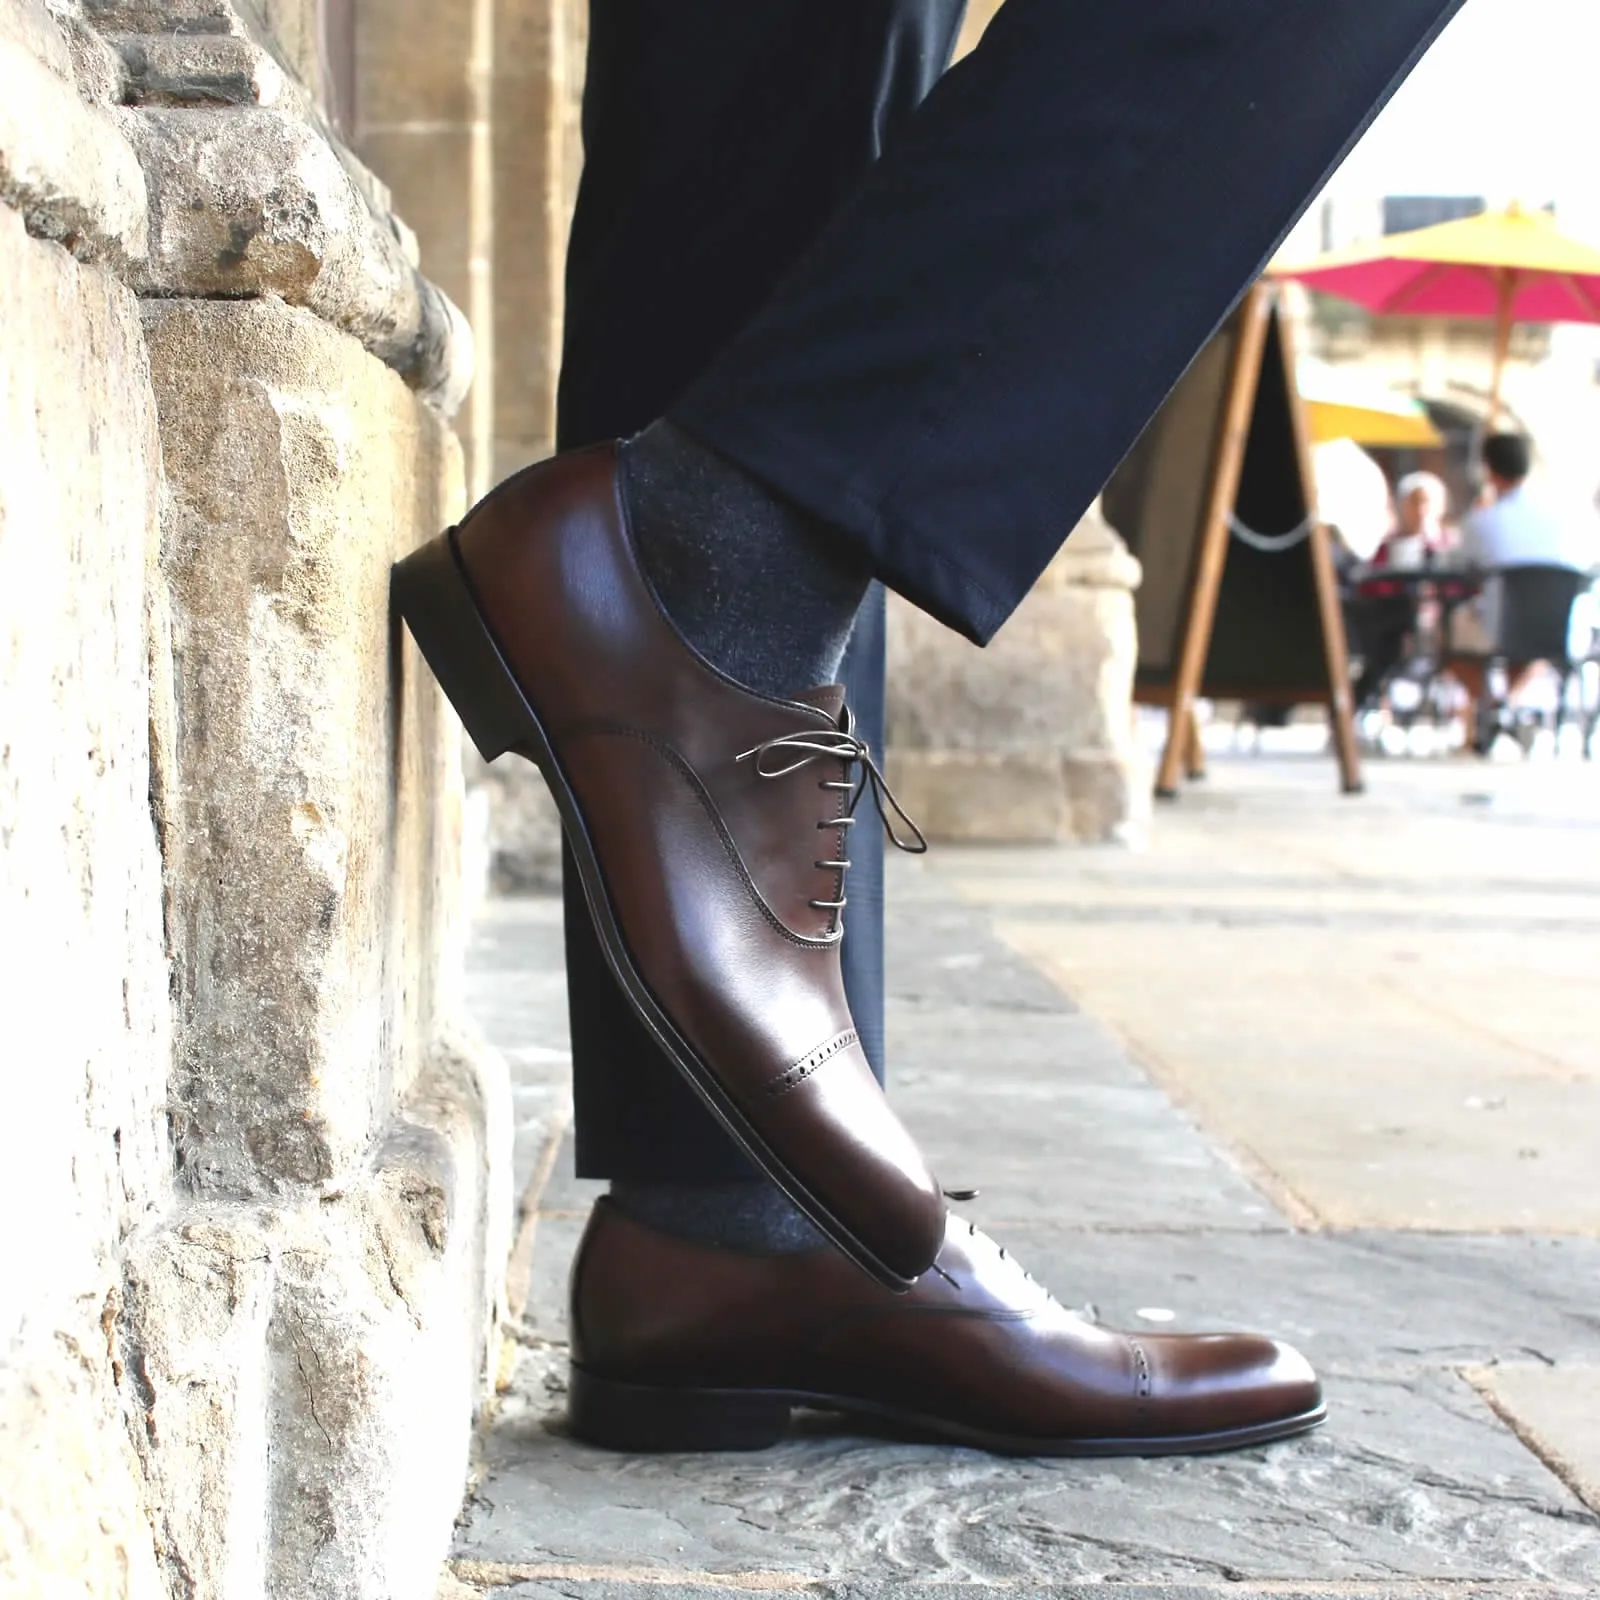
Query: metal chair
[[1583, 650], [1537, 608]]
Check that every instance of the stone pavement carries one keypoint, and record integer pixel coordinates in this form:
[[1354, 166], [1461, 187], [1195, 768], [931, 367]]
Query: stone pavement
[[1327, 1066]]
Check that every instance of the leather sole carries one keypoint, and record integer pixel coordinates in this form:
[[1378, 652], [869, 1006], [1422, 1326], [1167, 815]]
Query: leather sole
[[431, 591], [642, 1419]]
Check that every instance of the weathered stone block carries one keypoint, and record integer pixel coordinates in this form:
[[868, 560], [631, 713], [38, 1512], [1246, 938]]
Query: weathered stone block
[[1030, 739], [296, 30], [163, 16], [989, 797], [212, 69], [535, 67], [423, 75], [83, 1151], [303, 1379], [83, 1140], [314, 827], [63, 164], [251, 201], [216, 1392], [72, 1519], [191, 1341]]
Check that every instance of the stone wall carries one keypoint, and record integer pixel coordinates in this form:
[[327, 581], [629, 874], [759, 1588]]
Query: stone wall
[[84, 1159], [254, 1175], [1029, 740]]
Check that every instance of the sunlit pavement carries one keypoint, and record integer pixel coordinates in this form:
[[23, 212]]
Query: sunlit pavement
[[1324, 1065]]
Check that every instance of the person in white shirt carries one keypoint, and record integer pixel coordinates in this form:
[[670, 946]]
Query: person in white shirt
[[1516, 529]]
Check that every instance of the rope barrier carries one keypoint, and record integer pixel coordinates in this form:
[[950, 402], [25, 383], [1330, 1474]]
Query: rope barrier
[[1272, 543]]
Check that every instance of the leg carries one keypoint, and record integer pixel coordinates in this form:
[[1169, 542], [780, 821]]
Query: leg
[[939, 386], [662, 271], [947, 382], [1473, 677], [1385, 625], [1382, 650]]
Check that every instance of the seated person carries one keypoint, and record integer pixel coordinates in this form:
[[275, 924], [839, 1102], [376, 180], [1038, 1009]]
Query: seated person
[[1385, 615], [1514, 529], [1419, 533]]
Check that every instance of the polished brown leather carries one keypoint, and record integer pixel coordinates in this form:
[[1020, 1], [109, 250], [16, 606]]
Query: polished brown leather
[[709, 867], [977, 1351]]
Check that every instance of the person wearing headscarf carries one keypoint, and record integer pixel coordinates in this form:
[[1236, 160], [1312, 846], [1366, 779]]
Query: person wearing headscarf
[[1385, 617]]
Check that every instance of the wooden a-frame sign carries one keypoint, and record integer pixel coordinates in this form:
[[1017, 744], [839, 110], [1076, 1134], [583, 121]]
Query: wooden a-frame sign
[[1239, 599]]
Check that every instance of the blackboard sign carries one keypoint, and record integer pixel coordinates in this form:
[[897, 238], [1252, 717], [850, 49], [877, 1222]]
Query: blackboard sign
[[1239, 599]]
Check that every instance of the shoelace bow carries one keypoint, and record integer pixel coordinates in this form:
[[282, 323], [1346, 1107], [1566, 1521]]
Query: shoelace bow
[[789, 752]]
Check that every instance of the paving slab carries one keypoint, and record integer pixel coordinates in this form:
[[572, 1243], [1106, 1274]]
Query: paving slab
[[1376, 1096], [516, 993], [1384, 1005], [586, 1584], [1417, 1481], [1460, 1344], [1013, 1091], [1554, 1406]]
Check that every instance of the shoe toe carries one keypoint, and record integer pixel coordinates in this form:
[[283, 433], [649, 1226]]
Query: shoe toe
[[1221, 1382]]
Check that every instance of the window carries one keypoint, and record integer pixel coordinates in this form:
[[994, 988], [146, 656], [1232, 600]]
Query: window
[[1403, 213]]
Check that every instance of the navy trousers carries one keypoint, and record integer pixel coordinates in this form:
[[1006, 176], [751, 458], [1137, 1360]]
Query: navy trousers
[[720, 136], [977, 338], [944, 352]]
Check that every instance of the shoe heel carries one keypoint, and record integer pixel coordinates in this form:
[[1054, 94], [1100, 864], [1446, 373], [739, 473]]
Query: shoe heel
[[431, 594], [637, 1417]]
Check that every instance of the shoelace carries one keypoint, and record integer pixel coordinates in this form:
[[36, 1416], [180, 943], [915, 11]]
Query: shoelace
[[962, 1195], [789, 752], [1088, 1313]]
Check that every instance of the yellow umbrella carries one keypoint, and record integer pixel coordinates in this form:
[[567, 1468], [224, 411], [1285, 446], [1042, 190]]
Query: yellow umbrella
[[1344, 405], [1501, 266]]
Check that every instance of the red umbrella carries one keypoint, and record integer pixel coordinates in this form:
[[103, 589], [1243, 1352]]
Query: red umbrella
[[1501, 266]]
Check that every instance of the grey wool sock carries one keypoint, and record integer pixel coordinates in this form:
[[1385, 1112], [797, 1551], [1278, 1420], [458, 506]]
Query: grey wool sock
[[762, 589], [754, 1217]]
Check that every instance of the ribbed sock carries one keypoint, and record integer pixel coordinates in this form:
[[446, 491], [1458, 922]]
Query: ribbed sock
[[754, 1217], [761, 588]]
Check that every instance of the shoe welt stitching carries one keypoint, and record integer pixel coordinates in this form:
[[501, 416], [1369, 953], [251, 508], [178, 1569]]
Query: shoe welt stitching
[[794, 1076]]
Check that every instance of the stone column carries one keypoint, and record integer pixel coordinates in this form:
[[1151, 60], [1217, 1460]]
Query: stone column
[[245, 1331], [1030, 740], [423, 70], [537, 156], [538, 82]]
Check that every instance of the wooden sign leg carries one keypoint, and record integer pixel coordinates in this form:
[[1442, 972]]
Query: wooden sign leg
[[1341, 712], [1172, 753], [1232, 435], [1194, 756], [1341, 708]]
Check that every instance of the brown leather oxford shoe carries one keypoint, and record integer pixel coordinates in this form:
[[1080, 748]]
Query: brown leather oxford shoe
[[709, 826], [679, 1346]]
